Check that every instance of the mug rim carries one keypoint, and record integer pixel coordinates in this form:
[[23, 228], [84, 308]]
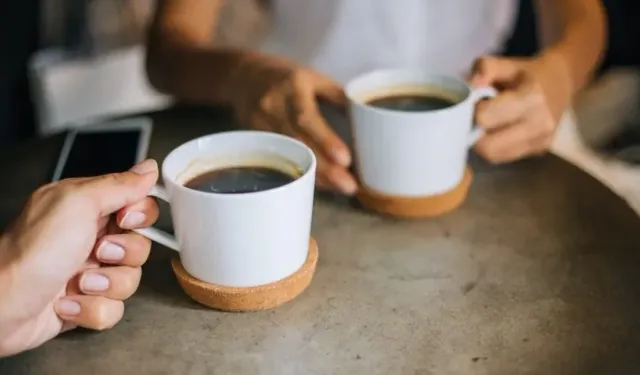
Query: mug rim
[[250, 195], [399, 72]]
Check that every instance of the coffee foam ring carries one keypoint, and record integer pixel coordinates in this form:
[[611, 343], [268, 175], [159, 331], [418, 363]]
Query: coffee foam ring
[[246, 299], [417, 207]]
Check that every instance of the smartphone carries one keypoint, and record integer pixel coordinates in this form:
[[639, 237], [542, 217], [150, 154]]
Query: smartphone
[[103, 148]]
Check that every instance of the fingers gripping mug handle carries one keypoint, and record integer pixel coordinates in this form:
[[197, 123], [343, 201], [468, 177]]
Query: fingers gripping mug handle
[[476, 96], [157, 235]]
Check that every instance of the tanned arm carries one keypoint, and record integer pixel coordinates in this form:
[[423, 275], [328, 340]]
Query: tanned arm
[[575, 31], [181, 60]]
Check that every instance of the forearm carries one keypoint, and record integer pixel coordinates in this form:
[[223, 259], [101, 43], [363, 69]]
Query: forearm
[[579, 28], [199, 75], [181, 60]]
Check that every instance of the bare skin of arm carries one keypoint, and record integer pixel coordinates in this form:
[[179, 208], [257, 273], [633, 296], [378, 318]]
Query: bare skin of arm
[[265, 92], [268, 93], [575, 30], [180, 59]]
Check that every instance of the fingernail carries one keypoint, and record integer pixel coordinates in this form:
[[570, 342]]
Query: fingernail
[[342, 157], [109, 251], [132, 219], [94, 282], [349, 187], [144, 167], [68, 307]]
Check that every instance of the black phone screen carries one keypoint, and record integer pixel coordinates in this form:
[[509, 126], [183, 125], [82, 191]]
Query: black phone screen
[[96, 153]]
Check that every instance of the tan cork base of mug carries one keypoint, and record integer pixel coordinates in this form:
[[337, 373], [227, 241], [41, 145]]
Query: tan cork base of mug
[[417, 207], [255, 298]]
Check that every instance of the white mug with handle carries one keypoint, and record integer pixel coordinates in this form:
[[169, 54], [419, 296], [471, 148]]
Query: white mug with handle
[[412, 153], [244, 239]]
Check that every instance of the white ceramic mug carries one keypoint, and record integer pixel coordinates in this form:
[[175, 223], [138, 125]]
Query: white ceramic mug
[[238, 240], [412, 154]]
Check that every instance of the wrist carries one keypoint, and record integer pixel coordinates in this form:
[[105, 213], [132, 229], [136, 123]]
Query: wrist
[[197, 75], [253, 75], [555, 73], [575, 66], [559, 61]]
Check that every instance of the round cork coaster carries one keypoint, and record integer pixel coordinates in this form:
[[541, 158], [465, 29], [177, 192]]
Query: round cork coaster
[[417, 207], [255, 298]]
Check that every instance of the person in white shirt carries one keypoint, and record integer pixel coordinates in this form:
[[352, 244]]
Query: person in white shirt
[[311, 48]]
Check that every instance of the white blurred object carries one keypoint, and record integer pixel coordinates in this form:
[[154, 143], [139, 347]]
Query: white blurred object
[[101, 24], [72, 90], [601, 112], [94, 66], [609, 104], [93, 63]]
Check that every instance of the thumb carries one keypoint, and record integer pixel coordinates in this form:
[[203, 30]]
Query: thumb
[[113, 191], [490, 70]]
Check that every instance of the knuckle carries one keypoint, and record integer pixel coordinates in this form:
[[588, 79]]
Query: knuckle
[[117, 179], [44, 191], [47, 187], [67, 195]]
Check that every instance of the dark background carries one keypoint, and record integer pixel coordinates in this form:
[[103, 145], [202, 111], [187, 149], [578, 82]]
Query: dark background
[[19, 20], [18, 40]]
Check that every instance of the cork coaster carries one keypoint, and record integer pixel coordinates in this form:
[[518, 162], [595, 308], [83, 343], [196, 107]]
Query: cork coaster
[[417, 207], [250, 298]]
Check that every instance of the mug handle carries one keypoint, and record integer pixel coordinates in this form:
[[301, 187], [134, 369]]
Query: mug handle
[[476, 96], [157, 235]]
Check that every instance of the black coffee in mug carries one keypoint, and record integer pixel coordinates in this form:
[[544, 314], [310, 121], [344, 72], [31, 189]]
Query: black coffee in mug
[[415, 102], [240, 180]]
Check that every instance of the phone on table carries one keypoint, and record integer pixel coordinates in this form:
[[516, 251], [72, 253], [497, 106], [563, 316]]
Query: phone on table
[[103, 148]]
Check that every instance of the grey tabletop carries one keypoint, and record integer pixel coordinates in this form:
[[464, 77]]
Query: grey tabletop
[[537, 273]]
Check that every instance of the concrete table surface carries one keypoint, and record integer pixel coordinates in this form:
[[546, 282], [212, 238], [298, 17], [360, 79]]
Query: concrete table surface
[[537, 273]]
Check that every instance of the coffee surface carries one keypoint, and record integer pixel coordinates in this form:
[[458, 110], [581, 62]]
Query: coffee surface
[[411, 102], [239, 180]]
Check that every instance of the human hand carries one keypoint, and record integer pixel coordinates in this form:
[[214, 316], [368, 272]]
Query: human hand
[[521, 120], [281, 97], [70, 258]]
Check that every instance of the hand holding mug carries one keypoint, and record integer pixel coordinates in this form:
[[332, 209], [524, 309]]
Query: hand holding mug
[[70, 258], [282, 97], [412, 130], [241, 206], [522, 119]]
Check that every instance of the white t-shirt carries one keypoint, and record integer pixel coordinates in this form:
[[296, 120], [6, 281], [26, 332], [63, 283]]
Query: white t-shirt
[[343, 38]]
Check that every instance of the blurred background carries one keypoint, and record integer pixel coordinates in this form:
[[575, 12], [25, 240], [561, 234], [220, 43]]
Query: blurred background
[[64, 62]]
